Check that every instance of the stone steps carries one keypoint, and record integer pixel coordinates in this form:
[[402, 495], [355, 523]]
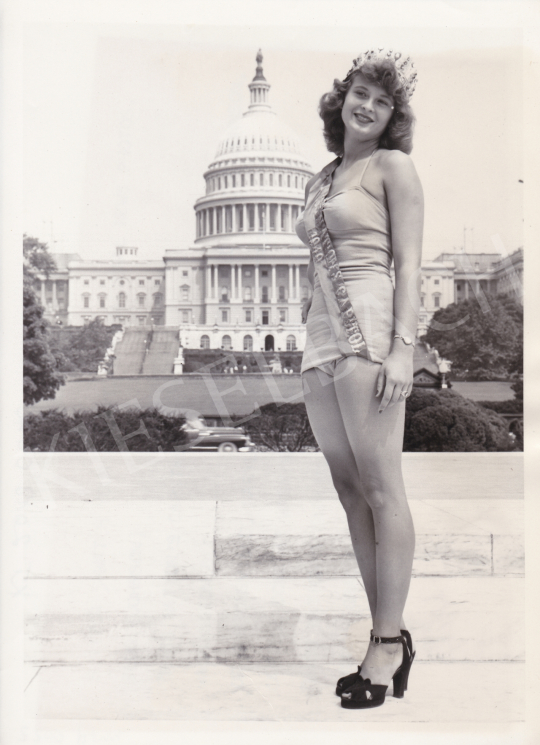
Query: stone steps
[[117, 538], [306, 619]]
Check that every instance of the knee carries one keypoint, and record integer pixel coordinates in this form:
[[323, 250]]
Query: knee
[[348, 490], [379, 491]]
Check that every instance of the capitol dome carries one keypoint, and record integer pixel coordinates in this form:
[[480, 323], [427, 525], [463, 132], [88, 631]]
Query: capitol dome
[[255, 183]]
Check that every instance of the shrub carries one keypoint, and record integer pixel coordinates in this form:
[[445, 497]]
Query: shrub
[[442, 421], [103, 430], [281, 427]]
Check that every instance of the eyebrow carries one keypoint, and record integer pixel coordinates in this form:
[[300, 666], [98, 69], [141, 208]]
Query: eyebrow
[[363, 87]]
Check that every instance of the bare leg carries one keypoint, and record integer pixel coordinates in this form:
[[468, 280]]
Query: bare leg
[[376, 441]]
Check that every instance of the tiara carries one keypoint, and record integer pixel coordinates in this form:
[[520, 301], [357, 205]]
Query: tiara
[[405, 69]]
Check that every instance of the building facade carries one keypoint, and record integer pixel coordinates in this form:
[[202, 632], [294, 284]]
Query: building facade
[[242, 282]]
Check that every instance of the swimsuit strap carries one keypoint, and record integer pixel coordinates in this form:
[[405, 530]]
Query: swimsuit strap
[[367, 164]]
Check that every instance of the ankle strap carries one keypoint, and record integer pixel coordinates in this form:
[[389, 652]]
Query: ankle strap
[[385, 639]]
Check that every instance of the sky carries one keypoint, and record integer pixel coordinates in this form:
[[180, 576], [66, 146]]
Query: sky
[[121, 120]]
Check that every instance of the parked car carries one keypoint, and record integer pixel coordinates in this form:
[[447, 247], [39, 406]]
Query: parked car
[[222, 439]]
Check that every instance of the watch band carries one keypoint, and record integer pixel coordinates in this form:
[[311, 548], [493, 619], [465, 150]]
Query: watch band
[[408, 343]]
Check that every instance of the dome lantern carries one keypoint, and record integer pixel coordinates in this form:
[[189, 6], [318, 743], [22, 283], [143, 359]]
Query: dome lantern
[[259, 87]]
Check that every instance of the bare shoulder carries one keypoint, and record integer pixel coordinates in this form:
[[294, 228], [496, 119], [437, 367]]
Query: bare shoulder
[[398, 170], [395, 162]]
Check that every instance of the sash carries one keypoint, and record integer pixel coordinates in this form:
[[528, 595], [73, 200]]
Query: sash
[[326, 263]]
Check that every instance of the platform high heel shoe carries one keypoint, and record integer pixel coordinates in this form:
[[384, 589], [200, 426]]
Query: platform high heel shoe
[[348, 680], [364, 694]]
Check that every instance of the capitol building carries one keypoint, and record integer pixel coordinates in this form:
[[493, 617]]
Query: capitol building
[[242, 282]]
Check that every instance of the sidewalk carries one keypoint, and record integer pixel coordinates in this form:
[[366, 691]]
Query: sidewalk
[[153, 594]]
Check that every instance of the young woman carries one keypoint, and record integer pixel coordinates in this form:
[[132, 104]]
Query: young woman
[[362, 211]]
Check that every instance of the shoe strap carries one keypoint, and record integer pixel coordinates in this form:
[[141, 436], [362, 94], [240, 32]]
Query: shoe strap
[[386, 639]]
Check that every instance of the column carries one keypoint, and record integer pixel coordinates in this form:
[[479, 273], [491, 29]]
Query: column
[[290, 270], [297, 283], [256, 298], [273, 295], [233, 282], [208, 293], [233, 218]]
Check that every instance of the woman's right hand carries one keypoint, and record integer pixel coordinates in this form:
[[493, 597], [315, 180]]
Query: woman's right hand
[[305, 309]]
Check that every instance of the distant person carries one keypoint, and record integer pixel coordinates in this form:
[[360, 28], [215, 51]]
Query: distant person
[[362, 210]]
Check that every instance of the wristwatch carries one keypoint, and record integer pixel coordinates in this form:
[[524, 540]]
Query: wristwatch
[[405, 339]]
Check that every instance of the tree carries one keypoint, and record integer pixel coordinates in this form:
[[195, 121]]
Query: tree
[[282, 427], [485, 343], [41, 378], [40, 367], [82, 348], [37, 259]]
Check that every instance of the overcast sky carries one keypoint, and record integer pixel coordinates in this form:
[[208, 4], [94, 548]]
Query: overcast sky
[[121, 121]]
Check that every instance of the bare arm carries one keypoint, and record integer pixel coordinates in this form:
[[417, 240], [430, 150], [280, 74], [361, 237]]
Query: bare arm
[[311, 267], [406, 207]]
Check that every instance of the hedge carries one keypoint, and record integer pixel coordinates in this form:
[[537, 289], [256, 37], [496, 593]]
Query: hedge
[[104, 430]]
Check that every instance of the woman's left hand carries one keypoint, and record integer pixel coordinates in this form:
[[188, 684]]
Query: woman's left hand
[[395, 376]]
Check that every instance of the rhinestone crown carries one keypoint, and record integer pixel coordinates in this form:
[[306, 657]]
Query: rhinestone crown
[[405, 68]]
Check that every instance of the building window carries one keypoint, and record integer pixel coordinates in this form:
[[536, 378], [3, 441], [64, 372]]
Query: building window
[[141, 281], [271, 179], [86, 301], [264, 272], [262, 211], [422, 300], [122, 282], [288, 180], [158, 299], [273, 216], [284, 217], [283, 315], [281, 293], [184, 291], [228, 219], [142, 320], [252, 179], [101, 281], [205, 342], [294, 213], [264, 294], [242, 180], [226, 342], [247, 293], [436, 282], [122, 300], [248, 315], [296, 182], [86, 281], [305, 292], [224, 316], [239, 218], [184, 272], [248, 343], [157, 281], [437, 301], [291, 343], [251, 216], [219, 182], [141, 297], [458, 287], [234, 181], [102, 300], [226, 182], [224, 294], [265, 317]]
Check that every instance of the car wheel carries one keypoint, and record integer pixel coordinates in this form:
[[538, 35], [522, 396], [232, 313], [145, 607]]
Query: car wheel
[[227, 447]]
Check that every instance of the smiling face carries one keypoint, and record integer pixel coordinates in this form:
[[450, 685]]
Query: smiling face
[[367, 109]]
